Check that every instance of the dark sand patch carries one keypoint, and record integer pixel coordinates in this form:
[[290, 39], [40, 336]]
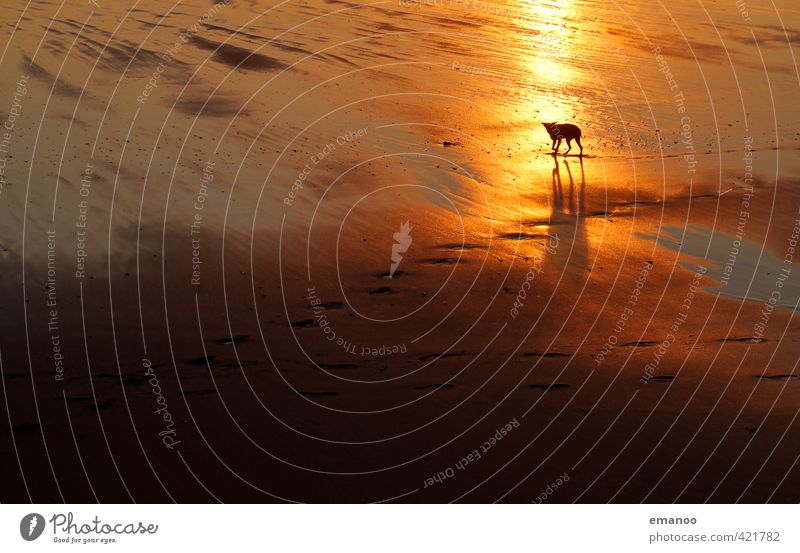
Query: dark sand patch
[[237, 57]]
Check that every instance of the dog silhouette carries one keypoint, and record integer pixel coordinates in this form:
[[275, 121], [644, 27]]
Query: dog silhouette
[[565, 131]]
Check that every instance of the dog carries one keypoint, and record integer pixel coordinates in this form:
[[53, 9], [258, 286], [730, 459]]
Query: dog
[[565, 131]]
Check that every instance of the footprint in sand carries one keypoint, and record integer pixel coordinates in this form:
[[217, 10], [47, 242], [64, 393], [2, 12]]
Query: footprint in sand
[[548, 387], [640, 344], [438, 355], [434, 387], [335, 366], [460, 247], [74, 398], [388, 276], [236, 364], [549, 354], [641, 203], [25, 427], [522, 236], [201, 392], [127, 378], [203, 361], [779, 377], [382, 291], [305, 323], [744, 340], [133, 378], [232, 340], [100, 405], [442, 261], [663, 378], [603, 214]]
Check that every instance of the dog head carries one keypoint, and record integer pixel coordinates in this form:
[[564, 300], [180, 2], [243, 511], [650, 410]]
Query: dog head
[[550, 128]]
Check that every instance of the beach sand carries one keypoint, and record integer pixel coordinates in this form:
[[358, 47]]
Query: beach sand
[[199, 208]]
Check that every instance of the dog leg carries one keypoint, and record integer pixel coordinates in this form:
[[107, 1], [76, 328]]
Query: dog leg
[[578, 140], [569, 146]]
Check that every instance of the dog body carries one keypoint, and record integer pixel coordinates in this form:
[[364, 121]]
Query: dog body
[[565, 131]]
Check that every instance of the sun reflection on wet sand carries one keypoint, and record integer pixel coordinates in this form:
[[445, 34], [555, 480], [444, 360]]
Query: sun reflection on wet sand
[[546, 55], [550, 38]]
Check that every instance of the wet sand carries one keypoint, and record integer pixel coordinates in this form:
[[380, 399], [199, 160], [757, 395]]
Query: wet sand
[[199, 209]]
